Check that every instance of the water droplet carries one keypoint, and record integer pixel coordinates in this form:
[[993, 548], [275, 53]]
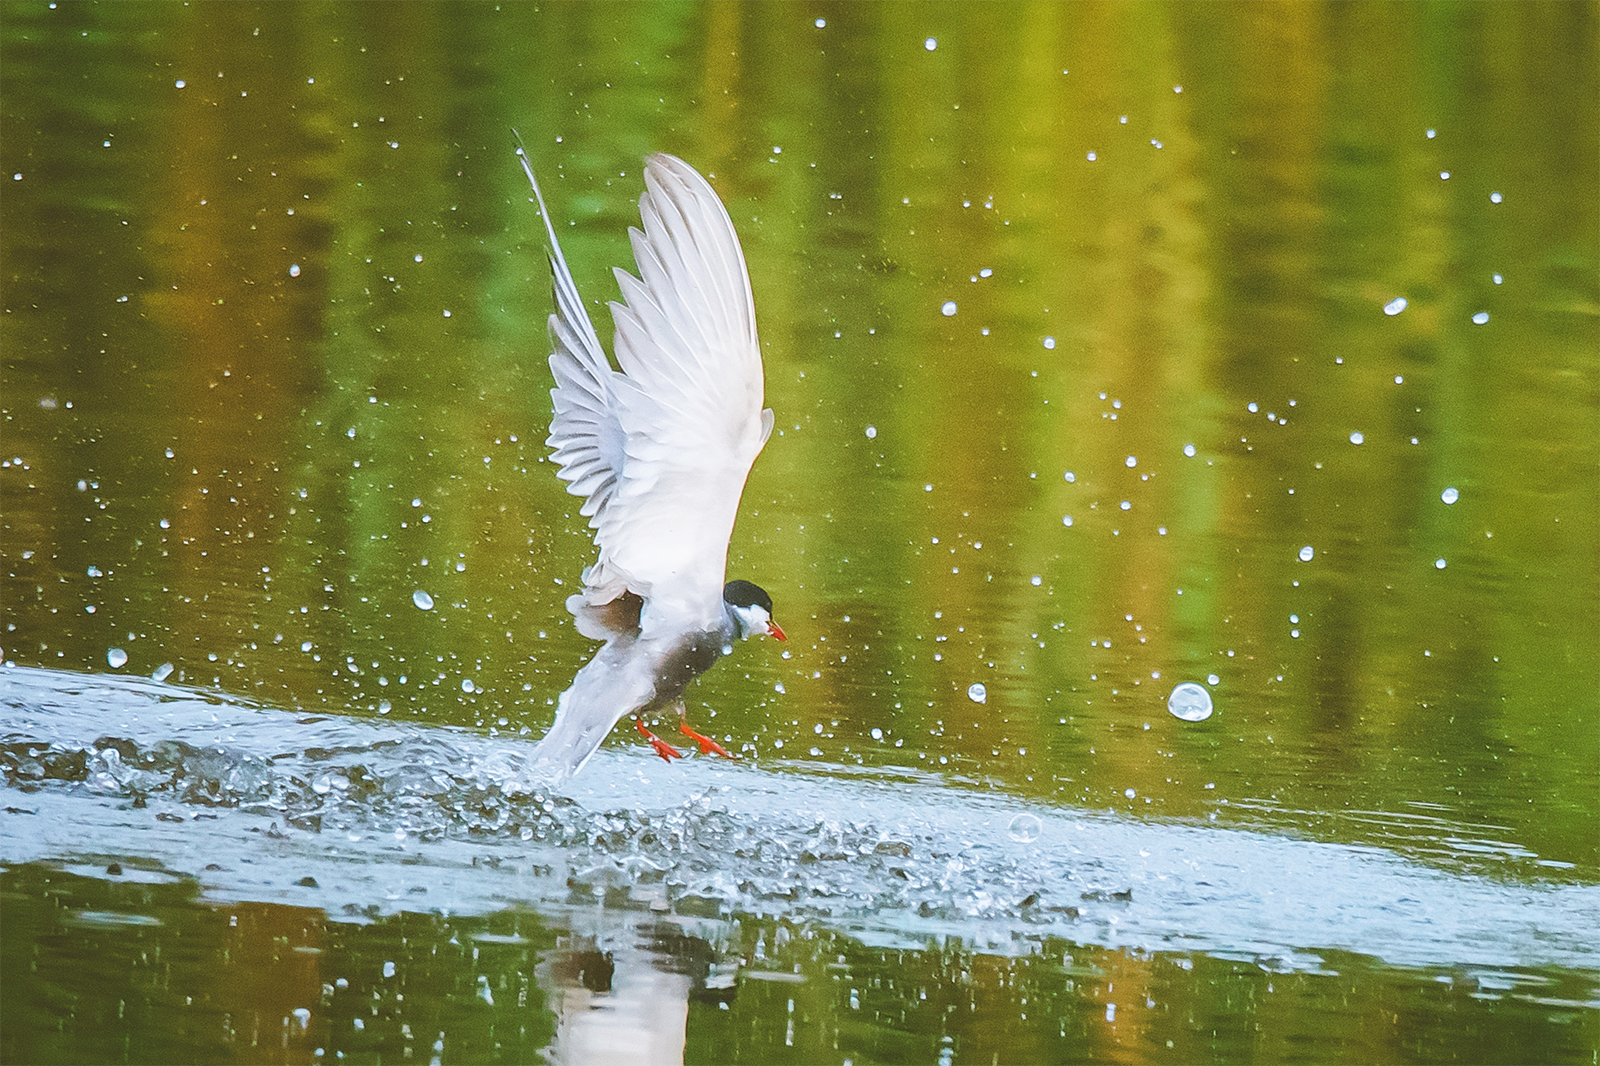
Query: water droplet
[[977, 693], [1357, 437], [294, 270], [1495, 198], [1025, 828], [423, 601], [1131, 462], [162, 672], [1439, 564], [1395, 306], [930, 44], [1307, 553], [1480, 318], [821, 23], [1050, 343], [872, 432], [1190, 702], [467, 685], [1450, 495], [1213, 680], [948, 309], [117, 658], [1036, 580]]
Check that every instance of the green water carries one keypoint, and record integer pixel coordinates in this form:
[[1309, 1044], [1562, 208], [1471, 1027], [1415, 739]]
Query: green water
[[273, 336]]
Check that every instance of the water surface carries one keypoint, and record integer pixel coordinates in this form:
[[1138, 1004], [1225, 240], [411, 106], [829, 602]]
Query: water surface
[[1112, 348]]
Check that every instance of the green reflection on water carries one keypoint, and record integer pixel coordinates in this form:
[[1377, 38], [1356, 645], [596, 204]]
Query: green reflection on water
[[311, 274], [136, 968]]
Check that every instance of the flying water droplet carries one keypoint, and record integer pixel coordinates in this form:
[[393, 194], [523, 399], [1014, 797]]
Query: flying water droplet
[[1394, 306], [1025, 828], [949, 308], [1307, 553], [977, 693], [1480, 318], [1450, 495], [423, 601], [162, 672], [1190, 702], [117, 658]]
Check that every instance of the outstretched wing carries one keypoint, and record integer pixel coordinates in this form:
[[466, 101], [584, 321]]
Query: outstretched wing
[[662, 450], [585, 434], [690, 396]]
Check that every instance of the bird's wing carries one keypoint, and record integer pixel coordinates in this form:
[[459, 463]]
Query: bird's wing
[[690, 398], [662, 449], [585, 433]]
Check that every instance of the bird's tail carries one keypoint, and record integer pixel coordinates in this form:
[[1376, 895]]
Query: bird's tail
[[612, 684]]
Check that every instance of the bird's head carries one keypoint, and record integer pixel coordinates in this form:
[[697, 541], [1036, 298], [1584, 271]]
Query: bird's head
[[751, 608]]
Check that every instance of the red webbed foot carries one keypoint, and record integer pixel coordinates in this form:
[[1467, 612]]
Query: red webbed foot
[[663, 749]]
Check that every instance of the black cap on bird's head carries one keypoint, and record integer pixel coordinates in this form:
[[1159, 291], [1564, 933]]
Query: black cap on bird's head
[[752, 607], [746, 594]]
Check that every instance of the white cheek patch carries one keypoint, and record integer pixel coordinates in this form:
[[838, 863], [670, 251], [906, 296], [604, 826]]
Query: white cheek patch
[[753, 620]]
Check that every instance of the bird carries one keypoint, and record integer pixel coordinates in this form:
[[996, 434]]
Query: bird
[[659, 448]]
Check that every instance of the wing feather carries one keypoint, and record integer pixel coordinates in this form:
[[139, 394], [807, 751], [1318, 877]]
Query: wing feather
[[661, 450]]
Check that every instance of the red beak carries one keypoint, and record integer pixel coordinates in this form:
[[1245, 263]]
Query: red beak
[[775, 630]]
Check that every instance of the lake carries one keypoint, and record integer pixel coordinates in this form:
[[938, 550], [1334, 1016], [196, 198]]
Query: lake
[[1113, 348]]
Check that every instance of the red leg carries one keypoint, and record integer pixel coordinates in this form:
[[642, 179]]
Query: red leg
[[663, 749], [707, 745]]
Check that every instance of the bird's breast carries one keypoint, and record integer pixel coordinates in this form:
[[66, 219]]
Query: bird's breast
[[686, 660]]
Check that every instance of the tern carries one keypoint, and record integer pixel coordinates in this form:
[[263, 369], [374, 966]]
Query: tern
[[660, 451]]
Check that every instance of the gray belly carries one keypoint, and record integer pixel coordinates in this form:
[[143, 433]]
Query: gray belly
[[687, 661]]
